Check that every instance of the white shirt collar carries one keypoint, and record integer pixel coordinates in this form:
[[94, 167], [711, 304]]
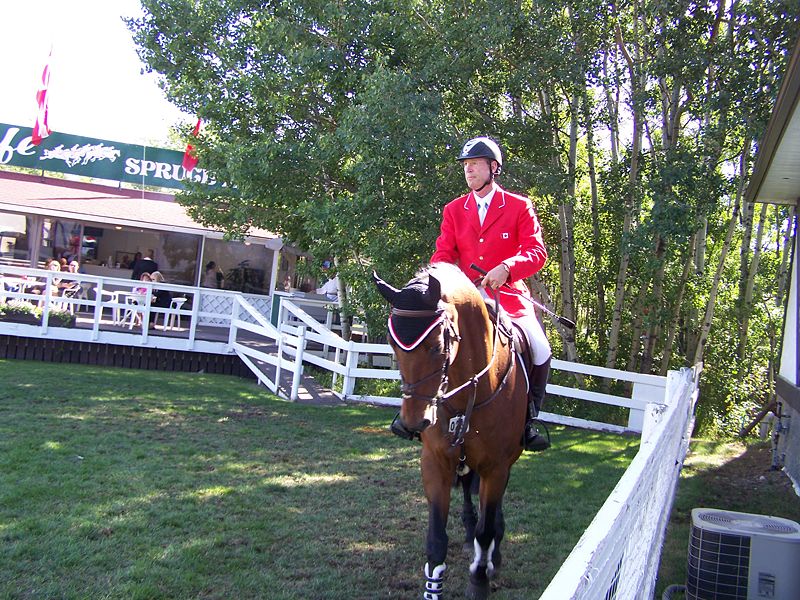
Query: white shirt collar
[[487, 199]]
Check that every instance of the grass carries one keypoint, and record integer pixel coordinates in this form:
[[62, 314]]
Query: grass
[[119, 483]]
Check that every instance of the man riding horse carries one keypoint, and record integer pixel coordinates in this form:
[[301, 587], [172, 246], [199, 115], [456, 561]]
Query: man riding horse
[[499, 232]]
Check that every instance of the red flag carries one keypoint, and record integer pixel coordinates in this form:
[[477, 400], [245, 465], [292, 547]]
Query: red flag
[[41, 130], [189, 157]]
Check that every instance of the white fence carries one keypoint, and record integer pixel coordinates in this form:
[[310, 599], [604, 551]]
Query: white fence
[[113, 305], [617, 557], [349, 361]]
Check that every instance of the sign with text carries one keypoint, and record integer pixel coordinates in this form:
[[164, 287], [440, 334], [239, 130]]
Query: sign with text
[[100, 159]]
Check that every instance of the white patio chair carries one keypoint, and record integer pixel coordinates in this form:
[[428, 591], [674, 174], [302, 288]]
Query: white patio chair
[[173, 315]]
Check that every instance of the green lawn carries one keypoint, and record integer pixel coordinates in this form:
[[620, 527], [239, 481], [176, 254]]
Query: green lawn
[[119, 483]]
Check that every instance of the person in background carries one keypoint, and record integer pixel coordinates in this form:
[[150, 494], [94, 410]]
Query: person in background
[[136, 258], [144, 265], [331, 287], [145, 277], [213, 277], [142, 289], [52, 264], [161, 298]]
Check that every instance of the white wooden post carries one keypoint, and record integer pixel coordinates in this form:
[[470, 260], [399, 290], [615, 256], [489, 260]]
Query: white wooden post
[[334, 375], [234, 318], [649, 393], [298, 364], [349, 384]]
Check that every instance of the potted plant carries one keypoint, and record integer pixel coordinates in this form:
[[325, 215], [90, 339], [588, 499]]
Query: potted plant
[[20, 312], [60, 318]]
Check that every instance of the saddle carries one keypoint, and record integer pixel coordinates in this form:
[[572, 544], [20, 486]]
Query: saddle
[[511, 331]]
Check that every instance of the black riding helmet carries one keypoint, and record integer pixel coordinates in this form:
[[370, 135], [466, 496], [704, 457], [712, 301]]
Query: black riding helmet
[[482, 147]]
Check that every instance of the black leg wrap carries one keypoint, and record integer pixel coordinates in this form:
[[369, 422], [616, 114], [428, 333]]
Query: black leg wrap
[[400, 430]]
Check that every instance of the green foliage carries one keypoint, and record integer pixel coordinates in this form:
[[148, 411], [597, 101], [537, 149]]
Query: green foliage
[[336, 125], [25, 310]]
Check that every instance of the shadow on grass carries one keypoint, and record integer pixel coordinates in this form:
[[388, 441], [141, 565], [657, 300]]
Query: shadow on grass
[[128, 484], [726, 476]]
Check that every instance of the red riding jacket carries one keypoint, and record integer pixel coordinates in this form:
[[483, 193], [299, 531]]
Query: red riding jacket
[[510, 234]]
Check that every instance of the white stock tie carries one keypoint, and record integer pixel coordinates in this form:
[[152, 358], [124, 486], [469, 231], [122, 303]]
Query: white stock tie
[[482, 208]]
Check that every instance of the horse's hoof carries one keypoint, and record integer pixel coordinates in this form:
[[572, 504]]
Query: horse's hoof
[[477, 591]]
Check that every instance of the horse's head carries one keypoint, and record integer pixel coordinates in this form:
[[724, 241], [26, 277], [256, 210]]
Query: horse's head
[[423, 332]]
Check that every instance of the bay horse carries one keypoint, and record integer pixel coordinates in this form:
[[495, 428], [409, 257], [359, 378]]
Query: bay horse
[[464, 393]]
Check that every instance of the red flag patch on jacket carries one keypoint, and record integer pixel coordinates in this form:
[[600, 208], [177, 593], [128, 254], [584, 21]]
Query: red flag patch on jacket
[[189, 157], [41, 129]]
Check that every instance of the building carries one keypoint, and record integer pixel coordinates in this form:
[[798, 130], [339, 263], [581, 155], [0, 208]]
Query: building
[[776, 180], [49, 215]]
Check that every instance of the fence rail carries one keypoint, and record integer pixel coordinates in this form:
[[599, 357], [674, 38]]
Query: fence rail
[[352, 361], [105, 301]]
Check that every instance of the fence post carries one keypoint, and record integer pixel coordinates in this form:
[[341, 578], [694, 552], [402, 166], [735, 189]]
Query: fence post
[[298, 364], [649, 393], [349, 383], [234, 318]]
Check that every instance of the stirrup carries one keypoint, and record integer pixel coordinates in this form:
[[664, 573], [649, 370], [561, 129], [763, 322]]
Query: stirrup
[[538, 442], [400, 430]]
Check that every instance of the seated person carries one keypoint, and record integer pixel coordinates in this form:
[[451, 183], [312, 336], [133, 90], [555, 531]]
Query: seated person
[[142, 289], [161, 298]]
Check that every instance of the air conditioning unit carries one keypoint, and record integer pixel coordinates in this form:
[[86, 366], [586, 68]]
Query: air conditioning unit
[[739, 556]]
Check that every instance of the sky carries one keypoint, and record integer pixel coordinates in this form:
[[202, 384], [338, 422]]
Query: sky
[[98, 87]]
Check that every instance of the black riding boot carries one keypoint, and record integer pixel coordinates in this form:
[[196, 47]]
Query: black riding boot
[[534, 441]]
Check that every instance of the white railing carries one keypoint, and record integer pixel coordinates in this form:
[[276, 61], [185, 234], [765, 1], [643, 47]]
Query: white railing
[[111, 305], [618, 555], [350, 360]]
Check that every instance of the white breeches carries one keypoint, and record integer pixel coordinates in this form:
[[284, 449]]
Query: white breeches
[[536, 337]]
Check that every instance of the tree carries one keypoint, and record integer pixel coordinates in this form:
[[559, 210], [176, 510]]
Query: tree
[[631, 126]]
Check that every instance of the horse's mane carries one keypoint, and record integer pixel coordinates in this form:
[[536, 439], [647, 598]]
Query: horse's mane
[[456, 287]]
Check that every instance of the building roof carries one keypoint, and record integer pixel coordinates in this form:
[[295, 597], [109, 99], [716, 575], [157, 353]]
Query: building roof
[[776, 174], [105, 205]]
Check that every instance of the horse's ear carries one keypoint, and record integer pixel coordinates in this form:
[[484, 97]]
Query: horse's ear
[[386, 290], [434, 293]]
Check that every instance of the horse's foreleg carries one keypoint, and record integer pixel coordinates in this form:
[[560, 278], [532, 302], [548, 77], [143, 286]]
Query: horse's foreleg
[[436, 482], [469, 516], [486, 541]]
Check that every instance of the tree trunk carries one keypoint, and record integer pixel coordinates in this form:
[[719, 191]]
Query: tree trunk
[[567, 219], [630, 208], [747, 300], [599, 320], [705, 327], [672, 327]]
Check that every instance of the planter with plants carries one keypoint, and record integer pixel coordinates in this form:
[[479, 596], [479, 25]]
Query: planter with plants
[[28, 314], [20, 312]]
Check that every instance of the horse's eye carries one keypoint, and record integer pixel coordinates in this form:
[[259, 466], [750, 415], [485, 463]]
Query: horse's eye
[[436, 350]]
